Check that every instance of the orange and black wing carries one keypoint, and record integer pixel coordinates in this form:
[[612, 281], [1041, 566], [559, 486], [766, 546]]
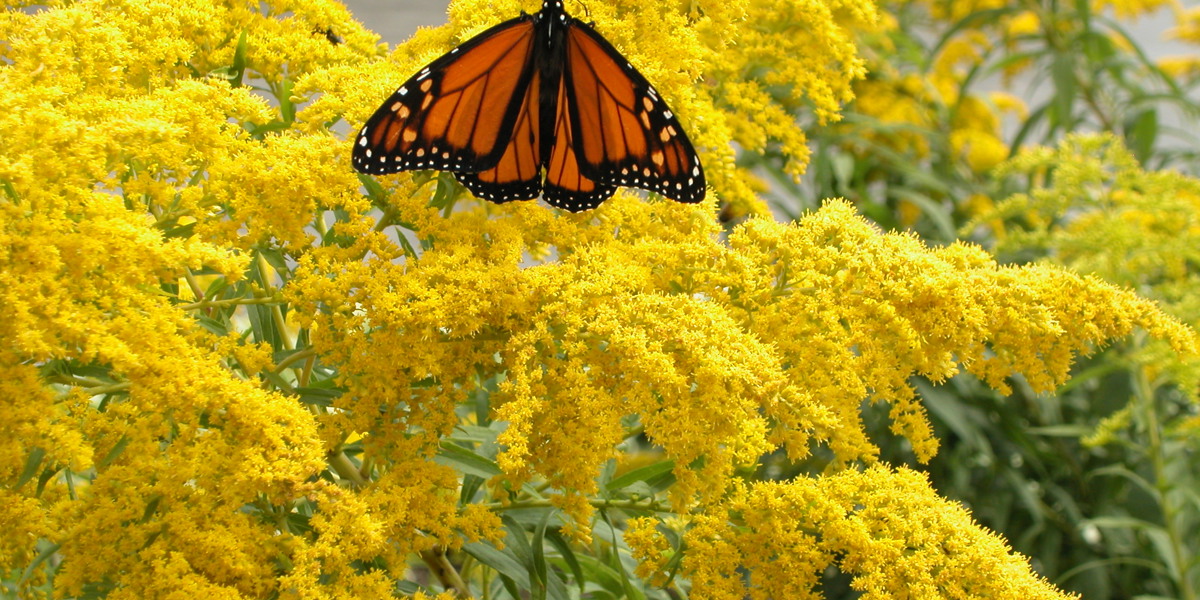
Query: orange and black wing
[[623, 133], [517, 176], [566, 186], [459, 113]]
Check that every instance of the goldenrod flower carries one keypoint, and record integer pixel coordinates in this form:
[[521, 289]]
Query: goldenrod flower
[[230, 373]]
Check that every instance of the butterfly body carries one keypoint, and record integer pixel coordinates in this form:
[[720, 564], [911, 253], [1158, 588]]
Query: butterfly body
[[537, 105]]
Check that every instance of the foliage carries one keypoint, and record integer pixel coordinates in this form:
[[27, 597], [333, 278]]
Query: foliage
[[1097, 482], [235, 369], [1128, 418], [955, 88]]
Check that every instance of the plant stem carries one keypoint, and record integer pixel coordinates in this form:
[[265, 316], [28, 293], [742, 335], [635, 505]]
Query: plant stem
[[1162, 484], [445, 571]]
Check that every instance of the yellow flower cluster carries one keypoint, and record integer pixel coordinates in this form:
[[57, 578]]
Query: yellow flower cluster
[[725, 350], [908, 109], [1097, 211], [885, 529], [230, 374]]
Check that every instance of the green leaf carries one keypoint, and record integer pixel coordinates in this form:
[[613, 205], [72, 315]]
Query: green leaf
[[473, 434], [1141, 133], [319, 396], [116, 451], [600, 574], [1064, 431], [1123, 523], [503, 562], [538, 545], [374, 189], [939, 215], [1062, 71], [31, 465], [1125, 473], [465, 461], [10, 191], [278, 381], [640, 474], [564, 551], [287, 108], [631, 591], [234, 73], [516, 542], [48, 550]]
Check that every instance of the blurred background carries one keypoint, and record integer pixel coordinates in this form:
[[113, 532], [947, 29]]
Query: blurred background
[[395, 20]]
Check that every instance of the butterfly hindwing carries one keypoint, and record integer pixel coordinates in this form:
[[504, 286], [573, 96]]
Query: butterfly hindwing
[[566, 186], [432, 120], [517, 176], [626, 134]]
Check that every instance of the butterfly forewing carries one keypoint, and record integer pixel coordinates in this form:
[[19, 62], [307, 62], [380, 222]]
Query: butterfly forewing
[[631, 137], [432, 120]]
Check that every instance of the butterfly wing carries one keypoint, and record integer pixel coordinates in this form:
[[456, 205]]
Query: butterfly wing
[[624, 134], [457, 114], [566, 186], [518, 174]]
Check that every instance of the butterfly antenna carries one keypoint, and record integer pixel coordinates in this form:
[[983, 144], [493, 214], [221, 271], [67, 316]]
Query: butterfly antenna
[[586, 12]]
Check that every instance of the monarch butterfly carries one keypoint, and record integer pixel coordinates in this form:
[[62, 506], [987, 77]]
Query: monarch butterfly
[[541, 92]]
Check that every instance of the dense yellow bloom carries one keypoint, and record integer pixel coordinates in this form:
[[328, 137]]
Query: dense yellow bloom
[[886, 529], [232, 374], [1103, 214]]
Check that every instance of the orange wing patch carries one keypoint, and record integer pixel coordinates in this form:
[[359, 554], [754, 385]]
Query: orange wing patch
[[566, 186], [626, 134], [518, 174], [459, 112]]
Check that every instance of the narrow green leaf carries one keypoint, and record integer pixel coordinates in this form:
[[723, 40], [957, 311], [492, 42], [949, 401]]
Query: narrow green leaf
[[599, 573], [1061, 105], [473, 434], [470, 487], [568, 555], [47, 551], [31, 466], [1124, 473], [503, 562], [238, 70], [640, 474], [318, 396], [1064, 431], [287, 108], [538, 546], [516, 541], [151, 507], [47, 474], [10, 191], [465, 461], [374, 189], [513, 589], [939, 215], [1124, 523], [116, 451], [631, 591], [1141, 133]]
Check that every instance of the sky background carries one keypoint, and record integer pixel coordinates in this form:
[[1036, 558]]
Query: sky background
[[395, 20]]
